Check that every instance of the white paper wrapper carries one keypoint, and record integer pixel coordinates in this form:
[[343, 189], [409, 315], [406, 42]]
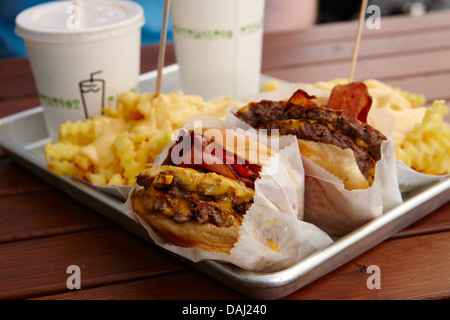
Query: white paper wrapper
[[328, 205], [273, 219], [338, 211]]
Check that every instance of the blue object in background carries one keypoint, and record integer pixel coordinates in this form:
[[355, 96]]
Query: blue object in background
[[12, 45], [154, 11]]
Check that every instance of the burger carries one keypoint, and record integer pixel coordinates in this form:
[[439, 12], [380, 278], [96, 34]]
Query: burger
[[200, 193], [332, 131]]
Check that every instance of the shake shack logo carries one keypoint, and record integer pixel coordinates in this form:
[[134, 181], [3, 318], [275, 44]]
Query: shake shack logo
[[216, 34]]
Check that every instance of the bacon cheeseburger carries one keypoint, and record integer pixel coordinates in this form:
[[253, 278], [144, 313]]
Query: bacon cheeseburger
[[199, 195], [335, 135]]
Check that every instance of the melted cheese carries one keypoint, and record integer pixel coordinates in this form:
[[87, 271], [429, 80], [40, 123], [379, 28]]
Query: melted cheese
[[99, 151], [198, 185], [208, 184], [273, 245], [164, 203]]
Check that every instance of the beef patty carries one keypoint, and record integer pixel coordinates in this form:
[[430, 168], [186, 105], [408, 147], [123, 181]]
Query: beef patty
[[320, 124]]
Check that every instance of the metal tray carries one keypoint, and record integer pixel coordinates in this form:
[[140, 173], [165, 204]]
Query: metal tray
[[24, 134]]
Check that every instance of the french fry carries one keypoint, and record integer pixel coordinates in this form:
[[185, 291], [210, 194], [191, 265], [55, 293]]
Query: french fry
[[421, 136], [427, 147], [112, 148]]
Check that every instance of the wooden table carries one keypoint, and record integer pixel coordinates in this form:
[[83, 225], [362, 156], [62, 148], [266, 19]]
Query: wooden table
[[43, 231]]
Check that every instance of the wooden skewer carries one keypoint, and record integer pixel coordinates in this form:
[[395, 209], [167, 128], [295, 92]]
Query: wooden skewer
[[362, 15], [162, 47]]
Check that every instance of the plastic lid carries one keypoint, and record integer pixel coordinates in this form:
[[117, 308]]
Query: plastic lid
[[59, 21]]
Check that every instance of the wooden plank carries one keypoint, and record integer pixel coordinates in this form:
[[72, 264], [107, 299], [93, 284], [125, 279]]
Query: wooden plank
[[381, 68], [344, 31], [16, 80], [149, 57], [410, 268], [12, 106], [370, 47], [43, 214], [13, 69], [38, 267], [184, 286], [437, 221], [427, 278], [394, 67], [433, 86], [15, 180]]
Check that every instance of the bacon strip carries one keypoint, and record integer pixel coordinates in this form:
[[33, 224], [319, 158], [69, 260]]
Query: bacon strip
[[353, 99], [302, 98], [213, 158]]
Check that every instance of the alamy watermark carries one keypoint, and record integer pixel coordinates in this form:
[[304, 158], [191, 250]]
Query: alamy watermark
[[374, 20], [74, 280], [75, 19], [192, 149], [373, 281]]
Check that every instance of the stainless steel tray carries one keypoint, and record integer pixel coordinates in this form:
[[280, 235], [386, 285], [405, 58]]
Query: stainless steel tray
[[24, 134]]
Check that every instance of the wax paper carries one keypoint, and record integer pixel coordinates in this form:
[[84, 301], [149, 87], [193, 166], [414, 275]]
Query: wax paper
[[273, 235], [328, 205]]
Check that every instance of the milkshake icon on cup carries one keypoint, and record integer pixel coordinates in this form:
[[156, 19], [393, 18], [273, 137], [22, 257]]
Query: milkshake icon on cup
[[92, 95]]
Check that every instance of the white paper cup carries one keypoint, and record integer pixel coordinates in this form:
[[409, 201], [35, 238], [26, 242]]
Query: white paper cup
[[81, 62], [218, 46]]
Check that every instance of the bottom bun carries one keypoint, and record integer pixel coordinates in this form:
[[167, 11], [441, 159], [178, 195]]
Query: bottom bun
[[340, 162], [189, 234]]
